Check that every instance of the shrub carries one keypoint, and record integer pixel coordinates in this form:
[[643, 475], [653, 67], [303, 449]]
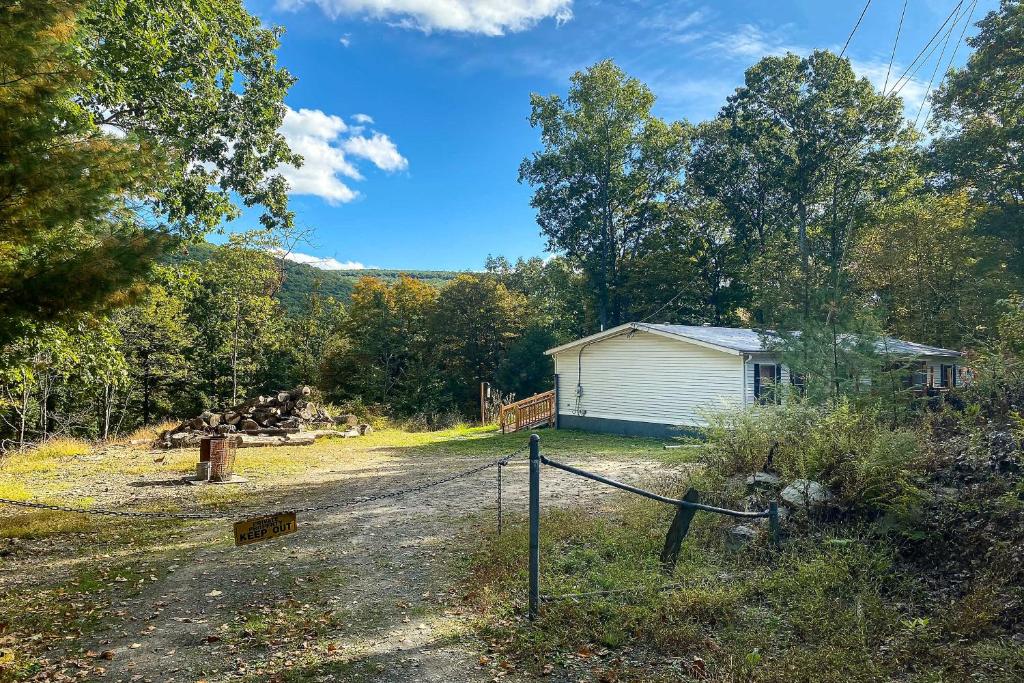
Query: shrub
[[851, 449]]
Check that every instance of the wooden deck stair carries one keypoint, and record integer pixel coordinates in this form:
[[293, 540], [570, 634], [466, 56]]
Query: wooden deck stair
[[530, 412]]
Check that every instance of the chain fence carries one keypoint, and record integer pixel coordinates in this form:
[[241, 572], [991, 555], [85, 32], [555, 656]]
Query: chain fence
[[255, 512]]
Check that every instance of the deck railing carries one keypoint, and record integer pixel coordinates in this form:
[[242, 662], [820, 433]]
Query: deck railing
[[530, 412]]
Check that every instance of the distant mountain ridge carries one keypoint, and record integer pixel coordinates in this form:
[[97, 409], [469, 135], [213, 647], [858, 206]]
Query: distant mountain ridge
[[301, 278]]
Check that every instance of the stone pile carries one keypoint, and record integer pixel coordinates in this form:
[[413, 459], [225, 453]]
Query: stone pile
[[282, 413]]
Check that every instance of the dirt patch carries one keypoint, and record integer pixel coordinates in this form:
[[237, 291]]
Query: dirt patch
[[361, 593]]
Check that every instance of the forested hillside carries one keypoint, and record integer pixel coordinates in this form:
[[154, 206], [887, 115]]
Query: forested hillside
[[299, 280]]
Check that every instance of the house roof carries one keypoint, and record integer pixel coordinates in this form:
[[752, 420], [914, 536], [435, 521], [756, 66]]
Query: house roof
[[736, 340]]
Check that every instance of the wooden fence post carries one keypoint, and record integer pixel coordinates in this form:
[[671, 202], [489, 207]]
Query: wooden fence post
[[677, 532]]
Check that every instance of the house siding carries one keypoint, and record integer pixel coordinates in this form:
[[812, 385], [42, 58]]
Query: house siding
[[647, 378]]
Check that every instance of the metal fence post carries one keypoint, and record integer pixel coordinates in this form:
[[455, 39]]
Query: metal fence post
[[499, 498], [773, 521], [534, 525]]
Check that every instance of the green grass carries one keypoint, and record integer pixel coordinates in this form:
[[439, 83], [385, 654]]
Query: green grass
[[102, 560], [821, 609]]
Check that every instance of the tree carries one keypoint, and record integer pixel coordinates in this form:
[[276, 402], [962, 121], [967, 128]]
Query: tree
[[935, 280], [601, 179], [200, 78], [310, 331], [238, 322], [155, 338], [794, 159], [978, 122], [386, 357], [70, 239], [525, 370], [689, 271], [475, 322]]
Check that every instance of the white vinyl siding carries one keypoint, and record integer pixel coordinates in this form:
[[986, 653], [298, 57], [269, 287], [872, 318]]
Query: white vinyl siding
[[645, 377]]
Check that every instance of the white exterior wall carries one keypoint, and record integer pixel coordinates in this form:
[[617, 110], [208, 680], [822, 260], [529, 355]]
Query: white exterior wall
[[648, 378]]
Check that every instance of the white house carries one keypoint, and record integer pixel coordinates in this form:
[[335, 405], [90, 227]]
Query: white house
[[654, 380]]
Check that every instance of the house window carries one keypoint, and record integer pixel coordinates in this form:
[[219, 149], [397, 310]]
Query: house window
[[767, 381], [947, 376]]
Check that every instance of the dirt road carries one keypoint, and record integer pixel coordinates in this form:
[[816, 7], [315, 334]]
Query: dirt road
[[365, 593]]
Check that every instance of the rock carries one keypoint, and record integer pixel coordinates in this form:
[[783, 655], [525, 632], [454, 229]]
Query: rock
[[206, 415], [283, 396], [739, 536], [805, 493], [213, 420], [764, 481], [349, 433], [197, 424], [178, 438], [232, 418], [364, 429], [249, 425]]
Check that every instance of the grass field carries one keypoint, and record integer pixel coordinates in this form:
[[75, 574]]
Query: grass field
[[836, 603]]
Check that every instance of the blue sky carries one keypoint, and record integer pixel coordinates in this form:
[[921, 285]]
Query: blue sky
[[413, 114]]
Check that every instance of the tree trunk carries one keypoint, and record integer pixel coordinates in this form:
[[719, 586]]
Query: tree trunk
[[146, 407], [234, 354], [25, 394]]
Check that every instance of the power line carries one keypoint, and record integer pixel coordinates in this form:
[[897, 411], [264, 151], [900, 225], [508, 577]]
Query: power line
[[938, 63], [897, 86], [899, 30], [855, 27], [949, 64]]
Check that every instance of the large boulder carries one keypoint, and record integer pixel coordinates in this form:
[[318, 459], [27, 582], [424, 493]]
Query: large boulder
[[346, 420], [804, 493], [197, 424], [249, 425]]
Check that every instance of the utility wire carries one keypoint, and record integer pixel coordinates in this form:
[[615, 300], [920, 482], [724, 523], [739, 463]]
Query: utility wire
[[949, 64], [938, 63], [913, 67], [855, 27], [892, 56]]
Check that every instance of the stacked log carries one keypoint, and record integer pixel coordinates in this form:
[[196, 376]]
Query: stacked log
[[277, 414]]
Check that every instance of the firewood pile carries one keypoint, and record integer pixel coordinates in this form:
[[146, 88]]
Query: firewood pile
[[282, 414]]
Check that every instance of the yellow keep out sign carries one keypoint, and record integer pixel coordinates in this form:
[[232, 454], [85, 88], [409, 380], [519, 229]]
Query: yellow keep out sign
[[264, 528]]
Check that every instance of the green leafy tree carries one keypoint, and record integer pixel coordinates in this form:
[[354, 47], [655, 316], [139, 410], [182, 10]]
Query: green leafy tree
[[200, 78], [310, 331], [525, 370], [70, 239], [238, 322], [475, 322], [795, 158], [155, 340], [978, 122], [933, 277], [386, 355], [602, 177]]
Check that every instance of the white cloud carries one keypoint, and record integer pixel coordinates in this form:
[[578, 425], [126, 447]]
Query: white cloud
[[325, 142], [362, 118], [913, 91], [489, 17], [751, 42], [319, 262], [378, 149], [346, 40]]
